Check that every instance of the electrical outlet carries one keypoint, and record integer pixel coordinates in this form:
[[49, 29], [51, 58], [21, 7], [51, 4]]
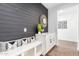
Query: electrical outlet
[[25, 29]]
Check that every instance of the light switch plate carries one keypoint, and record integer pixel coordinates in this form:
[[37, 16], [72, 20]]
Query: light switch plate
[[25, 29]]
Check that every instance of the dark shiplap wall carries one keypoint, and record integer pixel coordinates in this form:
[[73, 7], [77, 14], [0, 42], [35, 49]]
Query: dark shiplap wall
[[14, 17]]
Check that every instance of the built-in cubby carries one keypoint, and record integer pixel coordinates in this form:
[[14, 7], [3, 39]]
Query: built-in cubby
[[29, 52], [48, 41], [39, 50]]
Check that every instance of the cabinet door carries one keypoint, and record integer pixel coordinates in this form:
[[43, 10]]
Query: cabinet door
[[44, 44], [53, 39], [48, 41]]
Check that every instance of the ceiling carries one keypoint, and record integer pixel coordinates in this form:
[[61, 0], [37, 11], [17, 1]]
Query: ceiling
[[51, 5]]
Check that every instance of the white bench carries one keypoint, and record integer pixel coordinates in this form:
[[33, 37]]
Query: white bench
[[22, 50]]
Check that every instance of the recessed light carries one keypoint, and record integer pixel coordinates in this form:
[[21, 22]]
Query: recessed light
[[60, 11]]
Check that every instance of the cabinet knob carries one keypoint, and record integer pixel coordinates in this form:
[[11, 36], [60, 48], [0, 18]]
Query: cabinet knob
[[50, 40]]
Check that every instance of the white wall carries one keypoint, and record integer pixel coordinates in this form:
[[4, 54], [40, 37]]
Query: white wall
[[78, 30], [52, 20], [70, 15]]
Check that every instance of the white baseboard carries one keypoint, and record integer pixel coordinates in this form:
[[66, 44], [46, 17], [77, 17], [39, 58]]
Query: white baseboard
[[67, 40]]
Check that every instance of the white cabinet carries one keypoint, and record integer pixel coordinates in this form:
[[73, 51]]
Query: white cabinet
[[42, 38], [48, 41], [30, 49]]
